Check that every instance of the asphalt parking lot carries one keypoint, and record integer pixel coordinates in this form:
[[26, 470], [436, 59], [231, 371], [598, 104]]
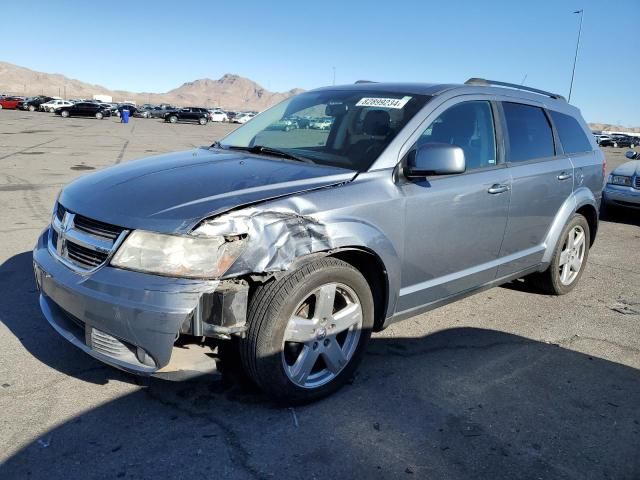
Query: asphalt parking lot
[[505, 384]]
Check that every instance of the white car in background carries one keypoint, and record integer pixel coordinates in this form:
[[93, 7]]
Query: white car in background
[[51, 105], [218, 116], [243, 117], [321, 123]]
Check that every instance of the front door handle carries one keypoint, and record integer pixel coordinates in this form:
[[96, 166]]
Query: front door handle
[[498, 188], [564, 176]]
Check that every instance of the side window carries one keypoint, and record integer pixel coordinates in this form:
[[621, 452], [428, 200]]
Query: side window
[[530, 135], [468, 125], [571, 134]]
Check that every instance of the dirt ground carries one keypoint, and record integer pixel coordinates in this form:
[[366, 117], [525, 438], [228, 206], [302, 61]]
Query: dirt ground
[[507, 384]]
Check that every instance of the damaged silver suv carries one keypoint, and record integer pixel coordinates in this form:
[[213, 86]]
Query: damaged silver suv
[[296, 243]]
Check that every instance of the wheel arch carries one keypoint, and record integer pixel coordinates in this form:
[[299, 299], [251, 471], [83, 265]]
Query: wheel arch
[[582, 201], [371, 266]]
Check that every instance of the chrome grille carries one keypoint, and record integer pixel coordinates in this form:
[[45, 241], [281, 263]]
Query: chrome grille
[[636, 182], [82, 243]]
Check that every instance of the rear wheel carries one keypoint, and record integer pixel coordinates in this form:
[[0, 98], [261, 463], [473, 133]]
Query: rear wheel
[[615, 144], [0, 107], [32, 108], [64, 113], [308, 331], [202, 121], [52, 110], [569, 259], [99, 116], [173, 119]]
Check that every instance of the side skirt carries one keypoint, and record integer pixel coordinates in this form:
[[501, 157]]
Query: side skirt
[[458, 296]]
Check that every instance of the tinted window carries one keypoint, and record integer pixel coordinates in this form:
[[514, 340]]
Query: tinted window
[[469, 126], [530, 134], [571, 134]]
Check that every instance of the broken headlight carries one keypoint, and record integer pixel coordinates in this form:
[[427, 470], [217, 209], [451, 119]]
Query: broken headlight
[[178, 255]]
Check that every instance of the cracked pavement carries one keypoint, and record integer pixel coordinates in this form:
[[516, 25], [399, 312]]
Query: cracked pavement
[[508, 383]]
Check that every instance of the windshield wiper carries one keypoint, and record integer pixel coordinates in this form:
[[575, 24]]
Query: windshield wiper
[[272, 151]]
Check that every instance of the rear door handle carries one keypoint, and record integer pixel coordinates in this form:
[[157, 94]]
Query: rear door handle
[[498, 188], [564, 176]]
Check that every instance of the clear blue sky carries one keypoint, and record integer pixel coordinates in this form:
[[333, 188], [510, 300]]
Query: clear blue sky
[[158, 45]]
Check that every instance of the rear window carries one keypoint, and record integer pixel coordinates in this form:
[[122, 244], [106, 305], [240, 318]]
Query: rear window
[[530, 135], [571, 134]]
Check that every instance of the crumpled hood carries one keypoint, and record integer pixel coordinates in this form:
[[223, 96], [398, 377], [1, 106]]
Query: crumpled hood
[[171, 193], [628, 169]]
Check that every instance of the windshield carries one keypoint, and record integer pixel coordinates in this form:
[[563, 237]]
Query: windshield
[[344, 128]]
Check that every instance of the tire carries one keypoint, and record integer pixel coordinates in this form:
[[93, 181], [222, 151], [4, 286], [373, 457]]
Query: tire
[[99, 115], [52, 110], [551, 280], [0, 107], [269, 352], [202, 121], [64, 113], [173, 119], [632, 145], [615, 144], [32, 108]]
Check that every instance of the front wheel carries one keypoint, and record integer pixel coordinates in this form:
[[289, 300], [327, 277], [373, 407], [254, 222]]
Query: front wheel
[[308, 331], [173, 119], [615, 144], [569, 258], [99, 116], [52, 110], [64, 113], [32, 108], [202, 121]]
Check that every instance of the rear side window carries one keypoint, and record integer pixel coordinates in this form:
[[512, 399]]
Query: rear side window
[[571, 134], [530, 135]]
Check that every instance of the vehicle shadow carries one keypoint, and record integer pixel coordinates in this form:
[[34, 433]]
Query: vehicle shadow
[[459, 403], [626, 216]]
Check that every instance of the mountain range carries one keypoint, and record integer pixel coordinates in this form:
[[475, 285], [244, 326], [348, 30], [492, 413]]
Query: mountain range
[[230, 91]]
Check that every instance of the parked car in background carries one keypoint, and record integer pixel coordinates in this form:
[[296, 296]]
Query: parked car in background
[[162, 110], [133, 110], [297, 250], [623, 184], [243, 117], [321, 123], [33, 103], [84, 109], [10, 103], [51, 105], [218, 116], [188, 114], [285, 125], [618, 141]]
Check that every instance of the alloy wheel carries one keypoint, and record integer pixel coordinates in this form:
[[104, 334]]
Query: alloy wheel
[[572, 255], [322, 335]]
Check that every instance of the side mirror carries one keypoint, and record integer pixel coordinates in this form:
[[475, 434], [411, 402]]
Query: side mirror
[[631, 155], [435, 159]]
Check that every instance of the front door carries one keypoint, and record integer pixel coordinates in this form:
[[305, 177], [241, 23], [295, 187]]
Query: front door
[[455, 223]]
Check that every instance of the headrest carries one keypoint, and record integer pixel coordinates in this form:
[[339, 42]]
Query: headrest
[[377, 123]]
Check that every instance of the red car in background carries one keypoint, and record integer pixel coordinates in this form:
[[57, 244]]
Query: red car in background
[[9, 102]]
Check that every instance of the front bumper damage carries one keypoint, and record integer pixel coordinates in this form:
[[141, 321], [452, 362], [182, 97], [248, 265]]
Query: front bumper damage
[[131, 320]]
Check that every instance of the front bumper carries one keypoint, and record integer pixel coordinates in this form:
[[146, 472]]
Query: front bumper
[[129, 320], [623, 196]]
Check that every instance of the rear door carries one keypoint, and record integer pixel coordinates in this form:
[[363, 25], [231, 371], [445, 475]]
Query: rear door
[[542, 179]]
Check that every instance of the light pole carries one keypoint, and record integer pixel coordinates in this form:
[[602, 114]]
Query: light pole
[[575, 58]]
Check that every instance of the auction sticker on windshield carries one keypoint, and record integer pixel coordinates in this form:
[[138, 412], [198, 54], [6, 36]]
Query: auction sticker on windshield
[[383, 102]]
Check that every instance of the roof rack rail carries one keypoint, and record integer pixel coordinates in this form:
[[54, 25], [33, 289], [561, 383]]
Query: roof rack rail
[[482, 81], [364, 81]]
